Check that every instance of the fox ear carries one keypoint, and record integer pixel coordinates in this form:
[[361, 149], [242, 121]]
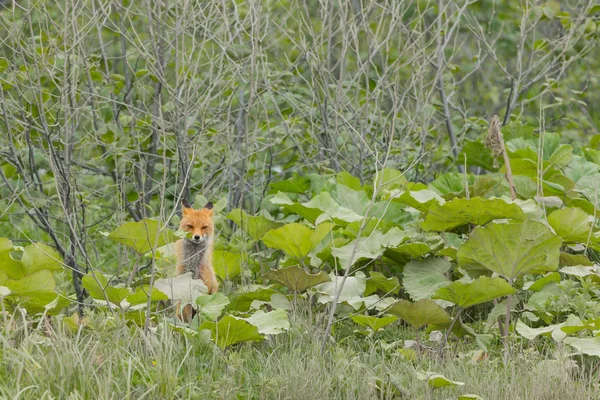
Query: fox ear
[[185, 205], [209, 205]]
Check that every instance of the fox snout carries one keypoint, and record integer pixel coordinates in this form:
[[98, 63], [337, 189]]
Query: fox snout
[[198, 238]]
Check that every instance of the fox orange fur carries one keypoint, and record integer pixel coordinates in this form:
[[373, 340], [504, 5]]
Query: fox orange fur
[[194, 254]]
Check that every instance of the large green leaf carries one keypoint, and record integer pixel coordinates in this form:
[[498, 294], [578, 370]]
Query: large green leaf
[[421, 313], [254, 225], [589, 346], [141, 296], [295, 239], [36, 257], [378, 281], [462, 211], [297, 279], [389, 178], [143, 235], [310, 214], [14, 269], [355, 200], [437, 381], [99, 286], [231, 330], [331, 210], [421, 200], [421, 279], [480, 290], [375, 323], [243, 301], [510, 250], [271, 323], [295, 184], [227, 264], [41, 281], [572, 225], [450, 184], [369, 247], [211, 306], [475, 153], [182, 288]]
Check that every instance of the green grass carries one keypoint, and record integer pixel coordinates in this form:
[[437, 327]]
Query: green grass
[[110, 360]]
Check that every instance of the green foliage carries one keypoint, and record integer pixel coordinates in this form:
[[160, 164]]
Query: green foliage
[[297, 279], [437, 381], [212, 306], [227, 264], [510, 250], [230, 330], [476, 211], [421, 313], [254, 225], [480, 290], [572, 225], [374, 323], [422, 279], [143, 236], [297, 240]]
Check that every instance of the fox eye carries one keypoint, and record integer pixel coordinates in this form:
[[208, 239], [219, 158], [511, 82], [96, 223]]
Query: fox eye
[[205, 227], [190, 226]]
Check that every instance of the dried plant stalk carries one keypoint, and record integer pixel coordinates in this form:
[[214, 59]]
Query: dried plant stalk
[[495, 142]]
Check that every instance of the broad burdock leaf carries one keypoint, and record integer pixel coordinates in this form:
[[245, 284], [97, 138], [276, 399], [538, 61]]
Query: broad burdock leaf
[[99, 286], [143, 236], [557, 331], [422, 313], [297, 240], [140, 297], [41, 281], [580, 271], [375, 323], [254, 225], [295, 184], [35, 257], [227, 264], [421, 279], [243, 301], [297, 279], [538, 284], [450, 184], [469, 397], [510, 250], [211, 306], [354, 287], [369, 247], [231, 330], [182, 288], [421, 200], [475, 153], [309, 214], [437, 381], [572, 225], [589, 346], [389, 178], [355, 200], [462, 211], [480, 290], [330, 210], [271, 323], [378, 281]]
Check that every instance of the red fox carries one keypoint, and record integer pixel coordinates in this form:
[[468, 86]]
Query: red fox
[[194, 254]]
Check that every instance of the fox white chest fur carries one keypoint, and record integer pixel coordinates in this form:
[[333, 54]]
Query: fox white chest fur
[[194, 256]]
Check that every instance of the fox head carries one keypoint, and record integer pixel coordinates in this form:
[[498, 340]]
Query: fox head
[[197, 222]]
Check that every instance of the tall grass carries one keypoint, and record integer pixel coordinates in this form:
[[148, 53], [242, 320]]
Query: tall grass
[[110, 360]]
